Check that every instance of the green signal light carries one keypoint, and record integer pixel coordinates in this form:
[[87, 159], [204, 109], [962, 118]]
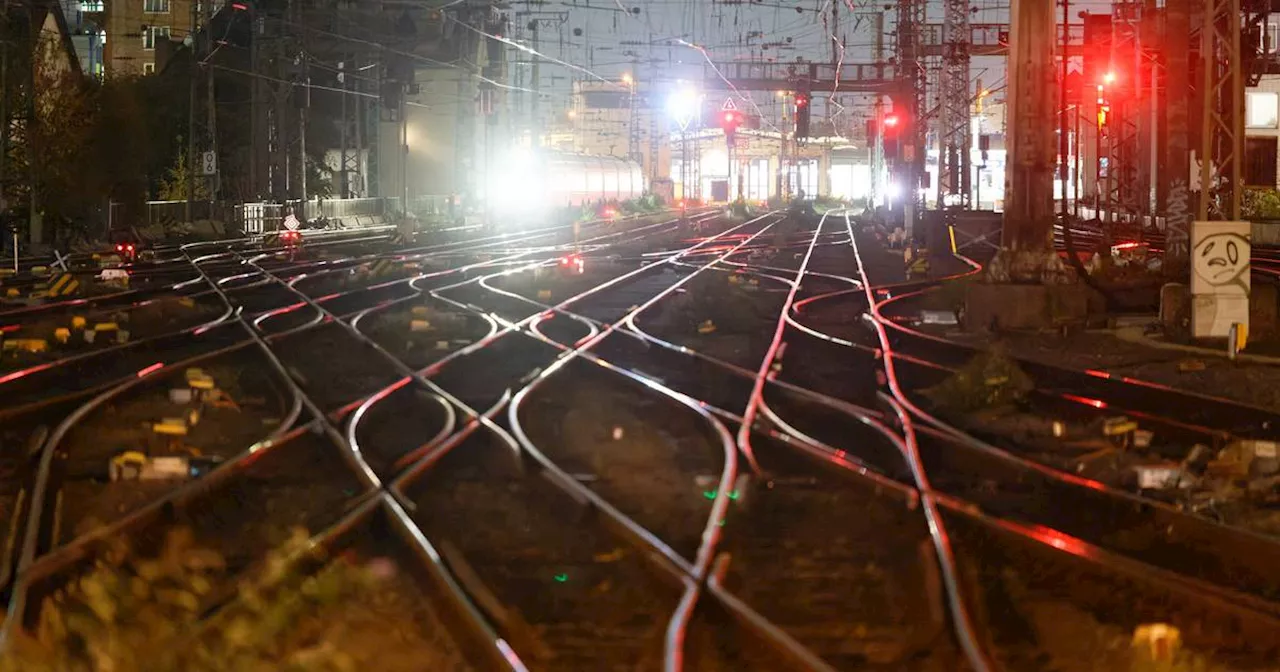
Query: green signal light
[[561, 578], [734, 495], [709, 494]]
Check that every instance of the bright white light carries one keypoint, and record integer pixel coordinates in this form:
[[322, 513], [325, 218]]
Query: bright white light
[[683, 105], [893, 191], [516, 183]]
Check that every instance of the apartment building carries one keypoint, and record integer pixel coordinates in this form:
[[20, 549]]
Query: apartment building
[[1262, 116], [133, 31]]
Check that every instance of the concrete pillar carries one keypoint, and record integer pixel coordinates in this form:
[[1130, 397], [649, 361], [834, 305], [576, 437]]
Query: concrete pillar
[[773, 170], [1033, 109], [824, 172]]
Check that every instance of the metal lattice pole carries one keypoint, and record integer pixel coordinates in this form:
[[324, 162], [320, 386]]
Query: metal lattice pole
[[1222, 134], [953, 174], [1124, 192], [912, 15]]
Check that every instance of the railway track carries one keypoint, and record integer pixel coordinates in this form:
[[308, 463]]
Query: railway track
[[576, 480], [293, 439], [1044, 508]]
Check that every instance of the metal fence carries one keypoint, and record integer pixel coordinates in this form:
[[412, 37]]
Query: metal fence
[[260, 217]]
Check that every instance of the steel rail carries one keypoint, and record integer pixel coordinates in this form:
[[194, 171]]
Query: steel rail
[[1232, 583], [711, 530], [962, 620]]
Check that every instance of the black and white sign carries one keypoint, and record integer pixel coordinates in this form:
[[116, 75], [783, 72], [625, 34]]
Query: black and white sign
[[209, 163]]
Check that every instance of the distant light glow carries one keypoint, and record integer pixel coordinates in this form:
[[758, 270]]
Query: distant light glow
[[682, 105]]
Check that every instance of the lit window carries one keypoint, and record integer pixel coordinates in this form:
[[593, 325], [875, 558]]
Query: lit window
[[153, 34], [1262, 110], [155, 6], [91, 5], [1269, 39]]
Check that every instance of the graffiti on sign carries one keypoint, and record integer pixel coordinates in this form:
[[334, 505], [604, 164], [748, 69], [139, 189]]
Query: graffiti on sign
[[1221, 262], [1220, 253]]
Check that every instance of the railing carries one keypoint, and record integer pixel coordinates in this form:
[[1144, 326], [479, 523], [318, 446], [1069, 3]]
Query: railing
[[262, 217]]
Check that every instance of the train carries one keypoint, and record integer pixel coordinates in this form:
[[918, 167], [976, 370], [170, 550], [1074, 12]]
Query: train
[[555, 181]]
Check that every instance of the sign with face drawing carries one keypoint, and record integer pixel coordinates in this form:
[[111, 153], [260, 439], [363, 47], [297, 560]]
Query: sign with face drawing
[[1220, 268]]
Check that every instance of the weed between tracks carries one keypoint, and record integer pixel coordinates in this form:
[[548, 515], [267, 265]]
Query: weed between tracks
[[134, 612]]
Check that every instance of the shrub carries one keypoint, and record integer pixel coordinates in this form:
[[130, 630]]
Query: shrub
[[132, 613], [989, 380], [1260, 203]]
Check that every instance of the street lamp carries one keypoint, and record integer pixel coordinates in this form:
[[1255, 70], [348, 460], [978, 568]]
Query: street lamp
[[683, 105]]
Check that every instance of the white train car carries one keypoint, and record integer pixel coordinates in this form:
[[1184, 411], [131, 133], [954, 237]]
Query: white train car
[[538, 182], [577, 180]]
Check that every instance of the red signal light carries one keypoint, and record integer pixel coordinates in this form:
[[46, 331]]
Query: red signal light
[[891, 121]]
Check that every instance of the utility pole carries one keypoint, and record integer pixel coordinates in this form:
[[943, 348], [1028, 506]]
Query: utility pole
[[1028, 215], [303, 107], [404, 148], [1064, 107], [343, 189], [191, 111], [1177, 164], [4, 101], [211, 110], [536, 114]]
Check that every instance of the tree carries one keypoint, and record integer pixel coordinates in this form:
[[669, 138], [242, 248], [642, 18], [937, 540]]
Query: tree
[[173, 187]]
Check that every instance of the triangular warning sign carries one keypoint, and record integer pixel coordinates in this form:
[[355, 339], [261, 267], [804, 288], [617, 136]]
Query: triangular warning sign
[[728, 106]]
